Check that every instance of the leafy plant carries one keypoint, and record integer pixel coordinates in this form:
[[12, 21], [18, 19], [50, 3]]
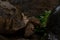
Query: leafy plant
[[43, 17]]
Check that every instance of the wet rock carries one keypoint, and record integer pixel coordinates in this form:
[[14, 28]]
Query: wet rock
[[53, 24]]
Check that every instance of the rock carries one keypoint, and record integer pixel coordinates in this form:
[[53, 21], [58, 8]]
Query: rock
[[6, 4], [34, 20], [10, 18], [53, 24], [25, 19], [29, 30]]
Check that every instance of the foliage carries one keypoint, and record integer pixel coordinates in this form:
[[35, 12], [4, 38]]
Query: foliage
[[43, 17]]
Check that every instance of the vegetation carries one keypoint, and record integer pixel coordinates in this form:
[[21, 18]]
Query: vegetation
[[43, 19]]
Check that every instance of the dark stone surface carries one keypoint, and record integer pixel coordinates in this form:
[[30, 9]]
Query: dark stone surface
[[53, 23]]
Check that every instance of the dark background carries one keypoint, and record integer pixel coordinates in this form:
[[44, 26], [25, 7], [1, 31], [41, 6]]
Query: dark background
[[35, 7]]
